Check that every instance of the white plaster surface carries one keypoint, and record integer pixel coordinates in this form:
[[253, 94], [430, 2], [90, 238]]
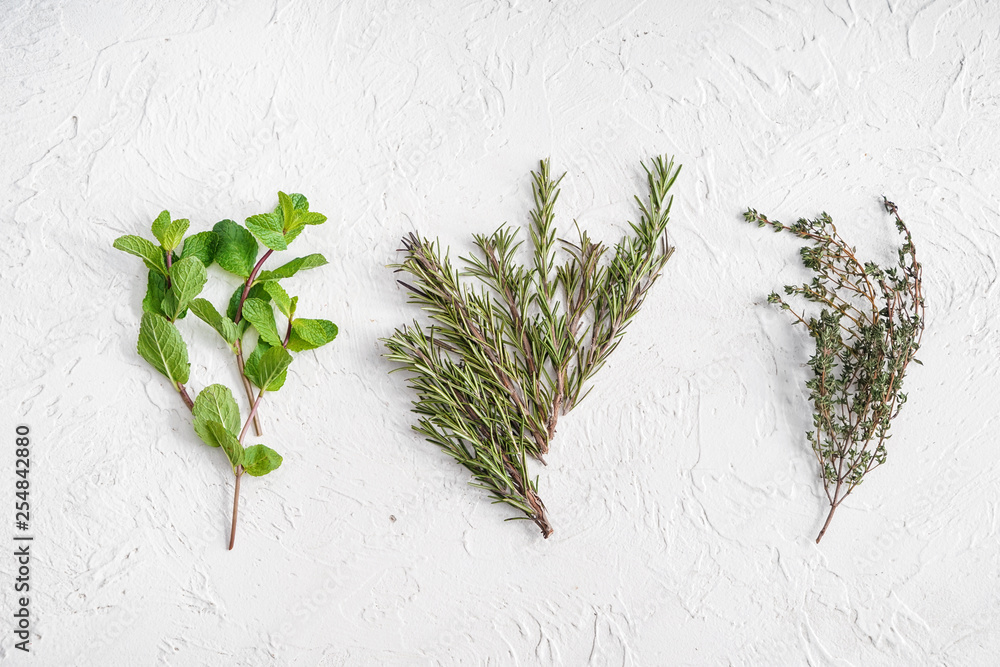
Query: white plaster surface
[[684, 498]]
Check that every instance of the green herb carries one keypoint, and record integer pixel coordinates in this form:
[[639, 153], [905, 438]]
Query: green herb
[[499, 364], [173, 286], [866, 335]]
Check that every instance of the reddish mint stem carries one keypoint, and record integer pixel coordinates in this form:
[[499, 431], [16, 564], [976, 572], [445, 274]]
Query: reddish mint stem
[[236, 507], [239, 470], [240, 363]]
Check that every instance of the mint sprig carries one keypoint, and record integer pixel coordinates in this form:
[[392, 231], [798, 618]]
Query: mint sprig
[[174, 284]]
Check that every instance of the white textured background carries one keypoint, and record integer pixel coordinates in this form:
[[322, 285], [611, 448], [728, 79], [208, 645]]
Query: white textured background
[[684, 497]]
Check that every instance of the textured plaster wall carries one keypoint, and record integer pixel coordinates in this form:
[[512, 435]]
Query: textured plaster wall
[[684, 497]]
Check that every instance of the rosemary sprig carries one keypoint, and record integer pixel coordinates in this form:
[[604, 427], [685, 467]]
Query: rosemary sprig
[[867, 333], [501, 362]]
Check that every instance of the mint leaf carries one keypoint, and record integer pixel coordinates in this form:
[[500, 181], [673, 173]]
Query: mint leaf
[[267, 228], [229, 443], [279, 296], [151, 255], [187, 278], [261, 316], [201, 245], [237, 249], [287, 210], [291, 268], [169, 306], [272, 367], [174, 234], [160, 226], [259, 460], [160, 344], [295, 215], [156, 290], [267, 366], [311, 218], [310, 334], [215, 403], [256, 292], [206, 312]]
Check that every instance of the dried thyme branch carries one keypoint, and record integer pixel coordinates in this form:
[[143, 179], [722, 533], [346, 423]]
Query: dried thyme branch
[[502, 362], [867, 333]]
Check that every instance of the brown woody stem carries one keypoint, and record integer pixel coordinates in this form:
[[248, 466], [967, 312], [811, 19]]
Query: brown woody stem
[[829, 517]]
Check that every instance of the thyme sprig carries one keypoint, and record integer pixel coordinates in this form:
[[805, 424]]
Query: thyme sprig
[[502, 361], [866, 335]]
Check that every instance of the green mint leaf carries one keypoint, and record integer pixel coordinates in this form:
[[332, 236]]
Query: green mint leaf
[[291, 268], [160, 344], [174, 234], [261, 316], [229, 443], [299, 201], [267, 228], [151, 255], [187, 277], [279, 296], [310, 334], [272, 367], [201, 245], [156, 290], [259, 460], [311, 218], [267, 366], [169, 306], [160, 226], [206, 312], [236, 251], [287, 211], [256, 292], [215, 403]]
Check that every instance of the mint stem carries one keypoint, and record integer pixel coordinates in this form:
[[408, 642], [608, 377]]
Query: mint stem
[[239, 469], [249, 283], [236, 507], [240, 363], [253, 413], [185, 396], [246, 385]]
